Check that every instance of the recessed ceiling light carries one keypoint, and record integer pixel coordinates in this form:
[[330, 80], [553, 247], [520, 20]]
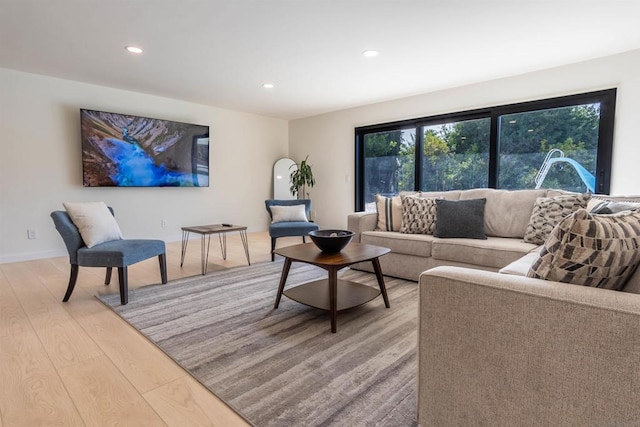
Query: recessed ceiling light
[[370, 53], [268, 85], [133, 49], [512, 122]]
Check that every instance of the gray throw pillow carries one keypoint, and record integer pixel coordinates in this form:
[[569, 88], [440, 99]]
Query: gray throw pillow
[[460, 219]]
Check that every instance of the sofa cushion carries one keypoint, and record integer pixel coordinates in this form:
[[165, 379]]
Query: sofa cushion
[[418, 215], [495, 252], [521, 266], [291, 228], [460, 219], [548, 212], [389, 213], [408, 244], [592, 250], [507, 212]]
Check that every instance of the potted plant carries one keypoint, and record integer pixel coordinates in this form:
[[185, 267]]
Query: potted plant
[[302, 177]]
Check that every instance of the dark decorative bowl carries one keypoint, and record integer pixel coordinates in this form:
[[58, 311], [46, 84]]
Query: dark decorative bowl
[[331, 241]]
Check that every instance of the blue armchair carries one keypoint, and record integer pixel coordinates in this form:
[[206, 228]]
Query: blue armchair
[[289, 228], [117, 253]]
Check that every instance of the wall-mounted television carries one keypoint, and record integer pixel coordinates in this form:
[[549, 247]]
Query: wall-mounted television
[[120, 150]]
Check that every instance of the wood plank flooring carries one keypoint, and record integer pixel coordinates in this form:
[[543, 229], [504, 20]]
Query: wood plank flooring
[[79, 364]]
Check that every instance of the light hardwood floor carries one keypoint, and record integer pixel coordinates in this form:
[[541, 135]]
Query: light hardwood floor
[[79, 364]]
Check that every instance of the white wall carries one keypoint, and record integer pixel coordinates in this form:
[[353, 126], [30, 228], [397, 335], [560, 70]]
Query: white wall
[[329, 140], [40, 164], [40, 158]]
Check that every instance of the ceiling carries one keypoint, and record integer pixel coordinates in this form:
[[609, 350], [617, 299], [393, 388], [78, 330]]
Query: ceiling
[[220, 52]]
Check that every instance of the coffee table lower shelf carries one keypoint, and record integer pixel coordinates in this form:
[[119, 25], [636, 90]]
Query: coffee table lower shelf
[[316, 294]]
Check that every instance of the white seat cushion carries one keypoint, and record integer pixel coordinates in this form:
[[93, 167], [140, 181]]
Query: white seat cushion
[[521, 266]]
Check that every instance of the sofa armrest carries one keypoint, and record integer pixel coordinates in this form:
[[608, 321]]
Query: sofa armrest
[[361, 221], [504, 350]]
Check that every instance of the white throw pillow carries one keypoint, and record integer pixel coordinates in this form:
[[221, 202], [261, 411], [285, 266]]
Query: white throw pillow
[[288, 213], [94, 221]]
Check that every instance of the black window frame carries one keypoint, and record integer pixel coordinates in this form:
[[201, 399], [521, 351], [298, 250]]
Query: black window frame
[[606, 98]]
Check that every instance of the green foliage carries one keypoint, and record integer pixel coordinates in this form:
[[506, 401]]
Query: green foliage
[[456, 156], [434, 145], [383, 144], [389, 162], [302, 177]]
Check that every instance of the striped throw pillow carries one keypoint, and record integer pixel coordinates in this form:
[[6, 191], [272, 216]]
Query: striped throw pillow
[[389, 213]]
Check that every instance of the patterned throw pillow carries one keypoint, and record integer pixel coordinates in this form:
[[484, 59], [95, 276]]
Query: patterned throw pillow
[[592, 250], [389, 213], [549, 211], [418, 215], [599, 206]]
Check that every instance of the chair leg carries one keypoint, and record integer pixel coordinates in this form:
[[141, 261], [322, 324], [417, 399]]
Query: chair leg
[[72, 282], [124, 285], [162, 259], [107, 278], [304, 240], [273, 248]]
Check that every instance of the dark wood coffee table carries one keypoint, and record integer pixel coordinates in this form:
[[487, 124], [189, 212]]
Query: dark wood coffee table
[[332, 294]]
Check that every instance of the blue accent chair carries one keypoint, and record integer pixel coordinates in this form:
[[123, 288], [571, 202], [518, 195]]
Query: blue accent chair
[[118, 253], [288, 229]]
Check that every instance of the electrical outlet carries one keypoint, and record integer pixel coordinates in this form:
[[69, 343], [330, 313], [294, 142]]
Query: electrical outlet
[[163, 223], [31, 234]]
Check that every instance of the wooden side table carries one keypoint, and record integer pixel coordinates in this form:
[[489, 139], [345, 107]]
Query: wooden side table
[[332, 294], [207, 231]]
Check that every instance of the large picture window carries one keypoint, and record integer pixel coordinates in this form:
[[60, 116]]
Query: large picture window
[[562, 143]]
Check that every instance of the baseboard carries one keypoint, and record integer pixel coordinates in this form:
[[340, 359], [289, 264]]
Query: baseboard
[[6, 259], [32, 256]]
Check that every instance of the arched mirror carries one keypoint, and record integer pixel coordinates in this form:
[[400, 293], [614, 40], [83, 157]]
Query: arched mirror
[[281, 171]]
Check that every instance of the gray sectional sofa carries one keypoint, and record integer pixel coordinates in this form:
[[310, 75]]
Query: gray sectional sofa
[[506, 216], [506, 350], [502, 349]]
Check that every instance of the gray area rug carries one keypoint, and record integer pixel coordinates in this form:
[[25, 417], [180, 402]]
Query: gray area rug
[[284, 367]]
